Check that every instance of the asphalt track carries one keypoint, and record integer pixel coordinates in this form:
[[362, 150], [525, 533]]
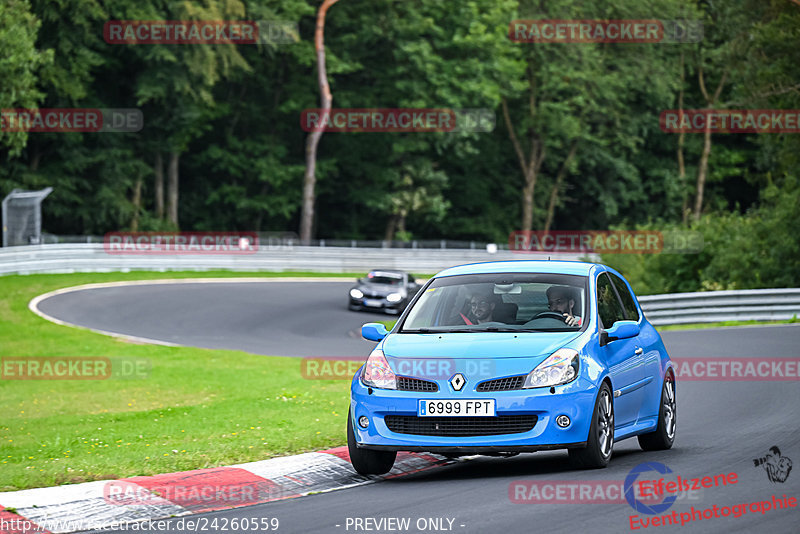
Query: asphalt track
[[274, 318], [722, 426]]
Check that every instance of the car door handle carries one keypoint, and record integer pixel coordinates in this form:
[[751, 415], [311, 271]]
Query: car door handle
[[639, 351]]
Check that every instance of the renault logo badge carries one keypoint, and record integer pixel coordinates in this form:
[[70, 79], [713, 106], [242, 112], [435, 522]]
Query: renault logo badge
[[458, 381]]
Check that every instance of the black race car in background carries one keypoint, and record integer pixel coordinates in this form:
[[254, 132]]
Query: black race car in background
[[385, 290]]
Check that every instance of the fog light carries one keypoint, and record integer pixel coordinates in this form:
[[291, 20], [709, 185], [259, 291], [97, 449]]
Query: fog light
[[562, 421], [363, 422]]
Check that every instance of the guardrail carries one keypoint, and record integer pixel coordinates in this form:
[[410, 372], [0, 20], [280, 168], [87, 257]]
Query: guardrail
[[292, 239], [674, 308], [717, 306], [92, 257]]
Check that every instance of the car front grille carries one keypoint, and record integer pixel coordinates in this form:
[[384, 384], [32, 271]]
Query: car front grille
[[405, 383], [460, 426], [502, 384]]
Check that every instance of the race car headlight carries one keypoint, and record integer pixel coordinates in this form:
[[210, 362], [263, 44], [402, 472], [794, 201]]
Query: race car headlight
[[394, 297], [356, 293], [559, 368], [377, 373]]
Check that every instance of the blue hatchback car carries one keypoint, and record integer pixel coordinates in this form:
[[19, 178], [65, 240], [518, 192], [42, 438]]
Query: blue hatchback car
[[500, 358]]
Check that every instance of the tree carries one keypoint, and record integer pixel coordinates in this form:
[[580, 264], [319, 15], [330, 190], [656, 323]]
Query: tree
[[20, 65], [310, 179], [417, 191]]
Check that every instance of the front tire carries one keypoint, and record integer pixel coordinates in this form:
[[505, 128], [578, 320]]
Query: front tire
[[664, 435], [600, 444], [366, 461]]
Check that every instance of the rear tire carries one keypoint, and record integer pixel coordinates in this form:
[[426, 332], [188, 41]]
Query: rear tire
[[664, 435], [600, 443], [366, 461]]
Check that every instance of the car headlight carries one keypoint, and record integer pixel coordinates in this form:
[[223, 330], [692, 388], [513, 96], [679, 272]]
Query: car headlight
[[377, 373], [559, 368], [394, 297], [356, 293]]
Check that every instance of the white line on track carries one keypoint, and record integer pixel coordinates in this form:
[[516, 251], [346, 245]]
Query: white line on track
[[33, 305]]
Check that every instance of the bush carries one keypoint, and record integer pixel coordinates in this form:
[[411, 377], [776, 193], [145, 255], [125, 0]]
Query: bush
[[759, 249]]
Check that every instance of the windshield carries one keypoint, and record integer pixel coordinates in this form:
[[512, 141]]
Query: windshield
[[500, 302], [391, 279]]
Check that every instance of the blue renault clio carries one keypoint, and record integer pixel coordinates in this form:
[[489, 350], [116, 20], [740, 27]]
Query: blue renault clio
[[506, 357]]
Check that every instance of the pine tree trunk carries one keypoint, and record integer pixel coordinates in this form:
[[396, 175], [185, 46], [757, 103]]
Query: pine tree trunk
[[310, 178], [158, 187], [172, 188], [137, 204], [562, 172], [702, 171], [681, 162], [391, 224], [527, 200]]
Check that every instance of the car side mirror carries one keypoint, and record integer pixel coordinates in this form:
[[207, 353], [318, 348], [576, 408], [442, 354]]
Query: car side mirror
[[619, 330], [374, 331]]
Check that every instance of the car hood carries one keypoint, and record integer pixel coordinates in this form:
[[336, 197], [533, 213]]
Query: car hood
[[465, 345], [478, 357]]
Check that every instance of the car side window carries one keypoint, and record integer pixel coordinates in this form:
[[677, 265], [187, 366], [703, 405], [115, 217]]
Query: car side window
[[627, 299], [608, 305]]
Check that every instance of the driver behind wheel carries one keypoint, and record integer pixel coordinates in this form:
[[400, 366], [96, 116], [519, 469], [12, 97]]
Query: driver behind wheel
[[560, 299]]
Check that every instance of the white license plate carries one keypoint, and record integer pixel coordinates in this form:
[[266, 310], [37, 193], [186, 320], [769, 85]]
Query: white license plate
[[372, 303], [456, 408]]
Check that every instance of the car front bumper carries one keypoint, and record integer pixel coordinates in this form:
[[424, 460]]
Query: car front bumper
[[381, 304], [575, 400]]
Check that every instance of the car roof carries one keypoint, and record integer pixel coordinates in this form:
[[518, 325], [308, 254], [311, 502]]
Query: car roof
[[523, 266], [390, 271]]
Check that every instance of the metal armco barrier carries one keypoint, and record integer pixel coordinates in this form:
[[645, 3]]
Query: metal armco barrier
[[91, 257], [675, 308], [716, 306]]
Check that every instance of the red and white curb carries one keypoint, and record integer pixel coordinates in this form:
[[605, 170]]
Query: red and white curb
[[101, 504]]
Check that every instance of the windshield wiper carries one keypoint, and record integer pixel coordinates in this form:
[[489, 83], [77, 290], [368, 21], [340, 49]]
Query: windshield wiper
[[470, 330], [502, 329], [430, 331]]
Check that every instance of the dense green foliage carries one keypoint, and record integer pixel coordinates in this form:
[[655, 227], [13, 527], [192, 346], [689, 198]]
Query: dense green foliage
[[585, 114]]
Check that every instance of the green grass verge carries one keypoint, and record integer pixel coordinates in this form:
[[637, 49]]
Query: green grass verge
[[197, 408], [695, 326]]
